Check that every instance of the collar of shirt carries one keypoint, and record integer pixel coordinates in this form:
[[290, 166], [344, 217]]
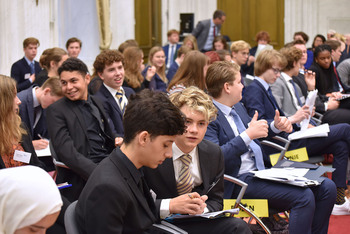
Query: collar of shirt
[[224, 109], [264, 83], [113, 91], [35, 100], [177, 153], [135, 173], [28, 61]]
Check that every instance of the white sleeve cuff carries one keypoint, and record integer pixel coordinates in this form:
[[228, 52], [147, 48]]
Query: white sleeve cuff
[[164, 208], [273, 128], [245, 138]]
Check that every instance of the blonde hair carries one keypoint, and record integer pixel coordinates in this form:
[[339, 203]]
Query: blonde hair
[[197, 100], [266, 59], [10, 123], [192, 39], [239, 45], [160, 70]]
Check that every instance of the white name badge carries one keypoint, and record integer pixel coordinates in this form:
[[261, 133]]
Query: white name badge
[[27, 76], [21, 156]]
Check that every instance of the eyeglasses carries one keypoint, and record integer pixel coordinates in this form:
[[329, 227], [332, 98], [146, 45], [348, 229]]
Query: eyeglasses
[[276, 71]]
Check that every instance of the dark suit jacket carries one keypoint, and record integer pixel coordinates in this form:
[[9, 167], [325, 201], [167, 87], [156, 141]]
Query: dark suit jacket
[[18, 71], [156, 83], [26, 111], [166, 52], [221, 133], [162, 180], [172, 70], [201, 32], [68, 134], [27, 145], [111, 201], [112, 109]]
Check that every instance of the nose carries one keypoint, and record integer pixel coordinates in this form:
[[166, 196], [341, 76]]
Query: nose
[[169, 153], [192, 128], [69, 86], [18, 101]]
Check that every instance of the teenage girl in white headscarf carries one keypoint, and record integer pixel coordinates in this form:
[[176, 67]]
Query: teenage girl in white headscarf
[[29, 200]]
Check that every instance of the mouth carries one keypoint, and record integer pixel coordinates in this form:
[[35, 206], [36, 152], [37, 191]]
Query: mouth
[[192, 138]]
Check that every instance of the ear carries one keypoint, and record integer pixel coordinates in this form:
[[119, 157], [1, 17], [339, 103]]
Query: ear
[[87, 78], [100, 75], [143, 137], [47, 91], [52, 63], [227, 88], [233, 54]]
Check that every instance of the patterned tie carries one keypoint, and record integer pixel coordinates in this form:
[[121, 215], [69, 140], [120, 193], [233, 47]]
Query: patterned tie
[[296, 93], [32, 70], [214, 31], [254, 147], [185, 182], [119, 96]]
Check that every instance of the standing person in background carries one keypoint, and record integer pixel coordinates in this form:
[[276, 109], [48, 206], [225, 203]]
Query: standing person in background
[[155, 71], [73, 46], [207, 30], [170, 50], [50, 61], [25, 69]]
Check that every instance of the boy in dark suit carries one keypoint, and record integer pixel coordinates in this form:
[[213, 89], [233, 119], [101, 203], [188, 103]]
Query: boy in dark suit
[[114, 97], [25, 69], [170, 50], [78, 128], [116, 198], [192, 182], [34, 101], [310, 208]]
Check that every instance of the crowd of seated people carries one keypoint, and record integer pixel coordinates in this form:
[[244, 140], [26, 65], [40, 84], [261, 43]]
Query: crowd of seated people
[[143, 142]]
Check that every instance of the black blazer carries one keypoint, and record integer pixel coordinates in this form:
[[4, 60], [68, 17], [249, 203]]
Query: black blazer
[[27, 145], [68, 134], [26, 111], [111, 202], [162, 180], [112, 109], [18, 71]]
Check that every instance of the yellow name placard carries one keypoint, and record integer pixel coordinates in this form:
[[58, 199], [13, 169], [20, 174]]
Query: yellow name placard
[[298, 155], [258, 206]]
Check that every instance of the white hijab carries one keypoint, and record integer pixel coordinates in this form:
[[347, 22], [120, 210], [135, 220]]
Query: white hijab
[[27, 194]]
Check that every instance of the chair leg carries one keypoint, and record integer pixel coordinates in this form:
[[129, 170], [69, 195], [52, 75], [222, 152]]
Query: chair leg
[[258, 220]]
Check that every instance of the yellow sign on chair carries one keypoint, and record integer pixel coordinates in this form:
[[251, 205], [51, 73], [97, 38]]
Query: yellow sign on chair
[[298, 155], [258, 206]]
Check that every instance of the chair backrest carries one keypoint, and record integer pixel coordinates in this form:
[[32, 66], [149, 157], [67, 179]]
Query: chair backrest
[[70, 221]]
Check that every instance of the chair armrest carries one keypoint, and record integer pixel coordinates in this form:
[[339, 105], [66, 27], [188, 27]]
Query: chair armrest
[[240, 183], [168, 228], [281, 148]]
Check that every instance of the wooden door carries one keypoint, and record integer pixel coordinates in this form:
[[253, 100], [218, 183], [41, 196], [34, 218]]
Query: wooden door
[[148, 24], [245, 18]]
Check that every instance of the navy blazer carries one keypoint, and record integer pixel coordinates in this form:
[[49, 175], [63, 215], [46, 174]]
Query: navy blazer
[[112, 109], [172, 70], [156, 83], [26, 111], [18, 71], [166, 52], [232, 146], [256, 98], [162, 179]]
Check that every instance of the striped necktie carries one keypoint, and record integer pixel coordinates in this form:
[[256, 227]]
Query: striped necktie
[[119, 95], [185, 182], [32, 68]]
